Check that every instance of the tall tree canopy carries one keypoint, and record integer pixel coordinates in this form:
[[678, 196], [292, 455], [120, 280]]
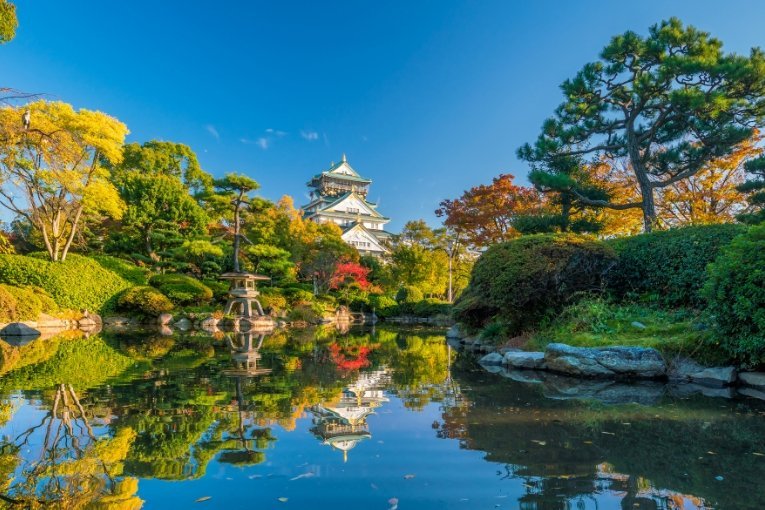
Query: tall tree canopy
[[165, 158], [8, 21], [667, 104], [484, 215], [236, 189], [51, 171]]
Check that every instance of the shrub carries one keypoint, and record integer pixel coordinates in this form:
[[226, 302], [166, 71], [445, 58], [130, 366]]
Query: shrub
[[78, 283], [30, 302], [219, 289], [522, 281], [384, 306], [144, 300], [272, 298], [297, 295], [124, 268], [408, 294], [668, 267], [304, 313], [7, 305], [735, 293], [431, 307], [181, 289]]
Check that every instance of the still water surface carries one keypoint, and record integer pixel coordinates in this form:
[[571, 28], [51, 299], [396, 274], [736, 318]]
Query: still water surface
[[384, 419]]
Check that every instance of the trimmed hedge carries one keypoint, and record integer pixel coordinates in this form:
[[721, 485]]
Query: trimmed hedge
[[522, 281], [409, 294], [735, 293], [144, 300], [79, 283], [668, 267], [124, 268], [182, 289]]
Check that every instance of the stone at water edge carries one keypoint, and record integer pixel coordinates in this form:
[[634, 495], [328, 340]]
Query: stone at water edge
[[637, 362], [209, 323], [493, 358], [715, 376], [753, 379], [525, 360], [164, 319]]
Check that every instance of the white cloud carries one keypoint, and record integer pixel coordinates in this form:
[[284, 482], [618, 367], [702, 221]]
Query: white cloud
[[277, 132], [214, 132], [263, 143], [311, 136]]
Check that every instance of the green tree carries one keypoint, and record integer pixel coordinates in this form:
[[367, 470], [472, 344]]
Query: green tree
[[235, 189], [8, 21], [754, 189], [664, 106], [165, 158], [160, 215]]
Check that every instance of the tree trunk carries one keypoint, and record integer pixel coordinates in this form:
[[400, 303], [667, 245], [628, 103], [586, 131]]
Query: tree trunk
[[236, 233]]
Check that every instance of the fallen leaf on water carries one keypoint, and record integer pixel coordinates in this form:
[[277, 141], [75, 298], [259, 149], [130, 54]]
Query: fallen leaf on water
[[203, 498], [283, 500], [711, 452], [304, 475], [408, 477], [540, 443], [608, 433], [758, 454]]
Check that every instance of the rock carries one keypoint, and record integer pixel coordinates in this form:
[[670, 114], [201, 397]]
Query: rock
[[526, 360], [183, 324], [681, 369], [638, 325], [19, 329], [687, 389], [633, 362], [164, 319], [118, 321], [753, 379], [493, 358], [716, 377], [209, 323]]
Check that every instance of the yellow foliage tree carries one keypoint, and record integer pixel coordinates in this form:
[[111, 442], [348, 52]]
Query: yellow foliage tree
[[51, 168], [710, 196]]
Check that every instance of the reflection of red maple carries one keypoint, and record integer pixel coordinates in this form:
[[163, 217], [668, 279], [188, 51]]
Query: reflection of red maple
[[345, 360]]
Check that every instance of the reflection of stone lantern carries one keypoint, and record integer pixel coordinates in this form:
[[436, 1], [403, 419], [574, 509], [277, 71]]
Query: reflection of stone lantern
[[242, 294]]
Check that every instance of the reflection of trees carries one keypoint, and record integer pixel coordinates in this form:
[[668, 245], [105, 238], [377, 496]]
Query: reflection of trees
[[71, 469], [559, 448]]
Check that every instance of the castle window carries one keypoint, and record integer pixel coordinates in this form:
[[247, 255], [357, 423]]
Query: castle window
[[352, 210]]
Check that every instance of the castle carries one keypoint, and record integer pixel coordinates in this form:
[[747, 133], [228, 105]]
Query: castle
[[339, 195]]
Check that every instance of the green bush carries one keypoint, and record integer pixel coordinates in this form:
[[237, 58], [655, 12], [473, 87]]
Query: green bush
[[522, 281], [408, 294], [431, 308], [297, 295], [7, 305], [124, 268], [30, 302], [304, 313], [735, 293], [272, 298], [219, 289], [182, 289], [144, 300], [384, 306], [78, 283], [668, 267]]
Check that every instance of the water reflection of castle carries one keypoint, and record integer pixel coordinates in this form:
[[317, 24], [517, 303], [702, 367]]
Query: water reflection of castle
[[343, 424]]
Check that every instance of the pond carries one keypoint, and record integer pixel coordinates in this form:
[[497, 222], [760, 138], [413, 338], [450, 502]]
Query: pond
[[381, 418]]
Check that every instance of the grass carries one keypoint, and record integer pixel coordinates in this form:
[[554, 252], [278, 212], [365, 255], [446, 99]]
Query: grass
[[599, 323]]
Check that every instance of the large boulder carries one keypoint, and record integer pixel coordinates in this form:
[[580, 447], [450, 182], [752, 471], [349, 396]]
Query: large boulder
[[608, 362], [18, 329], [525, 360]]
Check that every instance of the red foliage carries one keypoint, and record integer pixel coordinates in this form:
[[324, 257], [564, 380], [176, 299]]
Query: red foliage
[[349, 272], [341, 357]]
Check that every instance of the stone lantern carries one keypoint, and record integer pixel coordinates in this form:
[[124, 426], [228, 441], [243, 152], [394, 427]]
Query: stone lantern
[[243, 294]]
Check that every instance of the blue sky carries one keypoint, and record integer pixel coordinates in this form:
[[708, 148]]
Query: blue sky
[[426, 98]]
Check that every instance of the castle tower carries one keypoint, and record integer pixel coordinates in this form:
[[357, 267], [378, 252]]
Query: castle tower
[[339, 195]]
